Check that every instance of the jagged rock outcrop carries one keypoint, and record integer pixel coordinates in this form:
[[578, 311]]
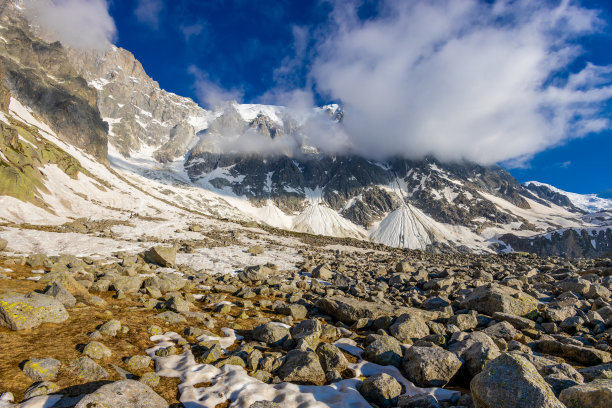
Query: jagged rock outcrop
[[42, 77]]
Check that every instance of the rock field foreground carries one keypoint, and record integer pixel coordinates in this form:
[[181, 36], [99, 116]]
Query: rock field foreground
[[346, 324]]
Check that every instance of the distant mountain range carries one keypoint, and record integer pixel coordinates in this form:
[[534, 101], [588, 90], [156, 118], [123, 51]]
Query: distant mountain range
[[89, 134]]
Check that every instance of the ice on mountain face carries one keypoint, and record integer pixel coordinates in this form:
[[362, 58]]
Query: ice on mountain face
[[406, 227], [586, 202], [321, 220]]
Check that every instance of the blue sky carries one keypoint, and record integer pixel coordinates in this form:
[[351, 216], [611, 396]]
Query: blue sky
[[314, 52]]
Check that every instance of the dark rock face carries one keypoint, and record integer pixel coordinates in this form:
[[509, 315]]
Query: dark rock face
[[570, 243], [552, 196], [41, 76]]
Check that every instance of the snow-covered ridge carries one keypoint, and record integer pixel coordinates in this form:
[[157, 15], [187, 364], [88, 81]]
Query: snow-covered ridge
[[586, 202]]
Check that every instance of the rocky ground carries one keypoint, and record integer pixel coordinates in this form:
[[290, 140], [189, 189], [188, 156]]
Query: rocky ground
[[342, 326]]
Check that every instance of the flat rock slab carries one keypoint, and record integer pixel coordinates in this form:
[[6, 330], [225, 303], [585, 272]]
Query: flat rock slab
[[21, 312], [349, 310], [584, 355], [121, 394]]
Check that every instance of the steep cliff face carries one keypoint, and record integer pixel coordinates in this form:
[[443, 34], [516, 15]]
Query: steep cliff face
[[140, 114], [571, 243], [41, 76]]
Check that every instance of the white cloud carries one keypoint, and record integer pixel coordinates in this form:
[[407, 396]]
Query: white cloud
[[209, 93], [192, 30], [148, 12], [84, 24], [461, 79]]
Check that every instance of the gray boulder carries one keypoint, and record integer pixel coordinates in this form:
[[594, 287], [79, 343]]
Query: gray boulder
[[84, 368], [475, 349], [272, 334], [255, 273], [596, 394], [510, 381], [20, 312], [110, 328], [41, 369], [302, 367], [121, 394], [381, 390], [430, 366], [61, 294], [163, 256], [584, 355], [323, 272], [494, 298], [408, 327], [384, 350], [331, 358], [348, 310]]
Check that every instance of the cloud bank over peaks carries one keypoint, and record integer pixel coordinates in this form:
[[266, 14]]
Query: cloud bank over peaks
[[84, 24], [462, 79]]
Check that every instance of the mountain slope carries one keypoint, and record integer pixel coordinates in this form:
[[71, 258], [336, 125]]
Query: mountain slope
[[247, 162], [585, 202]]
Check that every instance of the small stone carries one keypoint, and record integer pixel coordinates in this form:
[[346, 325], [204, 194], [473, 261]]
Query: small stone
[[110, 328], [41, 369], [138, 362], [150, 379], [256, 250], [154, 330], [41, 388], [88, 370], [97, 350]]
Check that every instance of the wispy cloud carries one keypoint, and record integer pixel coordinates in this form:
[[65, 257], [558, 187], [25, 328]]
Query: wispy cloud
[[192, 30], [82, 24], [209, 93], [149, 12]]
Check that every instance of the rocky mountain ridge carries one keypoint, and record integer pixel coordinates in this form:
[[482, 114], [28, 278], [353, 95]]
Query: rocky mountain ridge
[[282, 179]]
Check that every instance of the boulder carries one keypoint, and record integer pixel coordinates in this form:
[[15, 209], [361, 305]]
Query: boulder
[[430, 366], [110, 328], [163, 256], [510, 381], [61, 294], [596, 394], [408, 327], [348, 310], [97, 350], [494, 298], [84, 368], [584, 355], [3, 244], [475, 349], [121, 394], [302, 367], [331, 358], [255, 273], [41, 369], [273, 334], [381, 389], [20, 312], [323, 272], [384, 350]]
